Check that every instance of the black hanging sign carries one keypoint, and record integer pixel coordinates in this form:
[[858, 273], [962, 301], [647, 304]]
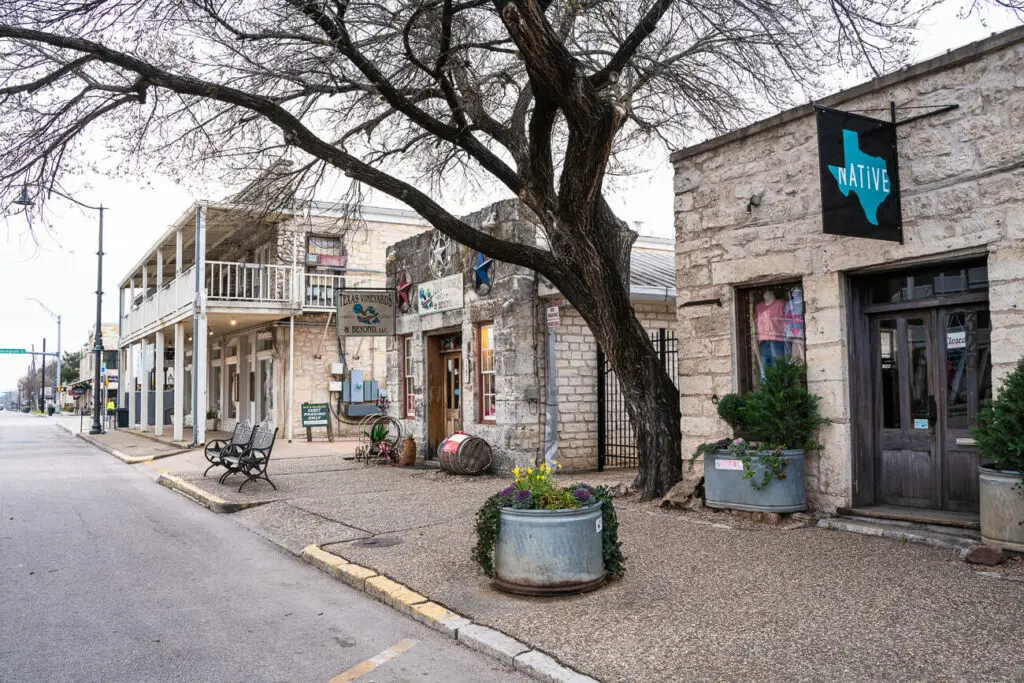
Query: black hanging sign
[[860, 184]]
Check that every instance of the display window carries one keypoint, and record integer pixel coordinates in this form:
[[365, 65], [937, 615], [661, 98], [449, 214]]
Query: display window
[[407, 365], [772, 327], [488, 396]]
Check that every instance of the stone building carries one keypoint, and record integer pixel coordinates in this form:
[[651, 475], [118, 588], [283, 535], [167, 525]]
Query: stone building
[[259, 287], [471, 347], [904, 341]]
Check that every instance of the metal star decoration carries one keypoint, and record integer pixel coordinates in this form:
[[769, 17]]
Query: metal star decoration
[[482, 274], [440, 254], [404, 285]]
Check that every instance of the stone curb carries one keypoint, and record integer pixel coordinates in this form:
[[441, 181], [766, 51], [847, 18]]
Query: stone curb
[[207, 500], [121, 455], [487, 641], [910, 535]]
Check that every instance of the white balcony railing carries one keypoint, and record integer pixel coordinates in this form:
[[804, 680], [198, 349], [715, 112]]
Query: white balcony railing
[[249, 281], [254, 282], [318, 293]]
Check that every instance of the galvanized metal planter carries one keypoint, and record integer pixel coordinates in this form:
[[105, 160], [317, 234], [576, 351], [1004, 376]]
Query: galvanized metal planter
[[549, 552], [1002, 508], [725, 487]]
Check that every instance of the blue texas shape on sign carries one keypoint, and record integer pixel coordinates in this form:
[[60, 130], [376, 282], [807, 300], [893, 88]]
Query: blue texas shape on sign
[[863, 174]]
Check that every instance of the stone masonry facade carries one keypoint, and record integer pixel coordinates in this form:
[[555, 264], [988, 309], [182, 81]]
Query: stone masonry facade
[[962, 176], [518, 315], [516, 433]]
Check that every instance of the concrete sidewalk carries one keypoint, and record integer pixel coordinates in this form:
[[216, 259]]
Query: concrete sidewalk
[[705, 597]]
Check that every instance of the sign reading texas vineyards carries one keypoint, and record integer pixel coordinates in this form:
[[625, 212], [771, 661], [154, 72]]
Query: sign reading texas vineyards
[[366, 312], [860, 188]]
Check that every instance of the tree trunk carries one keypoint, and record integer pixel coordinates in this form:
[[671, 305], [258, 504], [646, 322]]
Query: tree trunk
[[652, 402], [650, 395]]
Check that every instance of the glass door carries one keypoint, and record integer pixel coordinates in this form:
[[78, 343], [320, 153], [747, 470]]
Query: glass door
[[965, 387], [452, 393], [907, 454]]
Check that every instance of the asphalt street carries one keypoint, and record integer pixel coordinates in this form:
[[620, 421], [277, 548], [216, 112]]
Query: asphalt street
[[105, 576]]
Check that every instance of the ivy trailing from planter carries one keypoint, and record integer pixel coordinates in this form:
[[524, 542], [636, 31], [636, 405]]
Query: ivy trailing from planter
[[522, 496]]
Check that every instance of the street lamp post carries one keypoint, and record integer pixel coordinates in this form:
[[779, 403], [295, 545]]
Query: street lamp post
[[56, 393], [97, 422]]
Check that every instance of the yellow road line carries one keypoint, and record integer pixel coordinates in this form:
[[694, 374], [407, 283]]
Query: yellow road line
[[373, 662], [162, 470]]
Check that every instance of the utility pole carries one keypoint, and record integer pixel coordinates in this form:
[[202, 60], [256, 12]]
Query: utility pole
[[42, 383], [32, 380]]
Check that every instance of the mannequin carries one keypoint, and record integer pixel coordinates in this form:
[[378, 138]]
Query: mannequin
[[795, 324], [770, 323]]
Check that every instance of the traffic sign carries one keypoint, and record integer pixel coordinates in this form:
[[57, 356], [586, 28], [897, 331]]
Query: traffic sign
[[12, 351]]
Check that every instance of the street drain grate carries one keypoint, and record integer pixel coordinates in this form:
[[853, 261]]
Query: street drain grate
[[378, 542]]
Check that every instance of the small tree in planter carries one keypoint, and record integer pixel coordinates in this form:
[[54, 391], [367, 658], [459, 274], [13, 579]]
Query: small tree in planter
[[781, 416], [537, 538], [1000, 439]]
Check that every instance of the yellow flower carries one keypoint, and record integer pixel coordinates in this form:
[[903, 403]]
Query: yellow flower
[[529, 470]]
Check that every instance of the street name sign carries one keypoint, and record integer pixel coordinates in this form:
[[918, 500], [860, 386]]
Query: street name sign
[[12, 351]]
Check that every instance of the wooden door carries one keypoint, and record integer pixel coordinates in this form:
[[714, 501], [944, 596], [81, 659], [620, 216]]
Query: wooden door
[[452, 393], [444, 392], [965, 385], [932, 374], [908, 459]]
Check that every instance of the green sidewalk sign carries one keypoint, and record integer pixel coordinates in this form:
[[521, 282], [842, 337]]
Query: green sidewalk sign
[[316, 415], [12, 351]]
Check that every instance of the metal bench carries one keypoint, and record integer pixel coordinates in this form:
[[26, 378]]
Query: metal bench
[[241, 436], [251, 459]]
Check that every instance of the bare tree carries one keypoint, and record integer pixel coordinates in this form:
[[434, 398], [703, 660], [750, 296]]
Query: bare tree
[[536, 99]]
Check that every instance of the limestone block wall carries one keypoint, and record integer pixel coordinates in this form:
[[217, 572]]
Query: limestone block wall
[[576, 378], [962, 195], [515, 435]]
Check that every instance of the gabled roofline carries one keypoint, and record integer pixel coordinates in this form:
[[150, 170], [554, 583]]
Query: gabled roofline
[[965, 54]]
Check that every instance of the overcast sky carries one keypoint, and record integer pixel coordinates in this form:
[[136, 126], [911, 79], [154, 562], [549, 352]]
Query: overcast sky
[[61, 270]]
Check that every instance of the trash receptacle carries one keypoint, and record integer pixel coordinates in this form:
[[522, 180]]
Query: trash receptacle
[[122, 418], [49, 409]]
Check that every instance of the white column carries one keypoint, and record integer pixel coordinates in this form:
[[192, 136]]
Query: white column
[[144, 393], [179, 382], [243, 378], [291, 376], [201, 336], [145, 281], [159, 382], [130, 384], [177, 253], [159, 268]]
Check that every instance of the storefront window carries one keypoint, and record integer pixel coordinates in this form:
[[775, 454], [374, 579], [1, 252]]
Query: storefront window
[[773, 327], [930, 283], [488, 400], [410, 394]]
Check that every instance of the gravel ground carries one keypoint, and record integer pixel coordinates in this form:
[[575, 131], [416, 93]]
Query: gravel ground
[[707, 595]]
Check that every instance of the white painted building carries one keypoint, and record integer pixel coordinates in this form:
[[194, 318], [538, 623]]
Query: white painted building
[[257, 290]]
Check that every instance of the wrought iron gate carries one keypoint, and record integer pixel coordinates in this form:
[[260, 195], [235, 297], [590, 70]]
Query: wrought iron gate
[[616, 443]]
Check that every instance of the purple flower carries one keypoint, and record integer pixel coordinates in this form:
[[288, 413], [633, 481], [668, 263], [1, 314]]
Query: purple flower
[[522, 496], [507, 492], [582, 495]]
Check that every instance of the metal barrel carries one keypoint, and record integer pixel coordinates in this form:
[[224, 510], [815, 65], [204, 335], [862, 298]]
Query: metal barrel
[[464, 454], [548, 552]]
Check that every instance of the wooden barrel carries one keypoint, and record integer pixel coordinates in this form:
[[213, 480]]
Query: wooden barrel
[[464, 454]]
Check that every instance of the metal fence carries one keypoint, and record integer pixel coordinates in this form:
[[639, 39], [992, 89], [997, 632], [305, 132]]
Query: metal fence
[[616, 442]]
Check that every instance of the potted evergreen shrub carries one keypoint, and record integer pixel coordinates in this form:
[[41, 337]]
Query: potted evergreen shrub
[[538, 538], [767, 472], [212, 418], [1000, 440]]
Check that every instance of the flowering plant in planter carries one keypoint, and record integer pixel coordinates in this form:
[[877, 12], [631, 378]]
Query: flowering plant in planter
[[535, 489]]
